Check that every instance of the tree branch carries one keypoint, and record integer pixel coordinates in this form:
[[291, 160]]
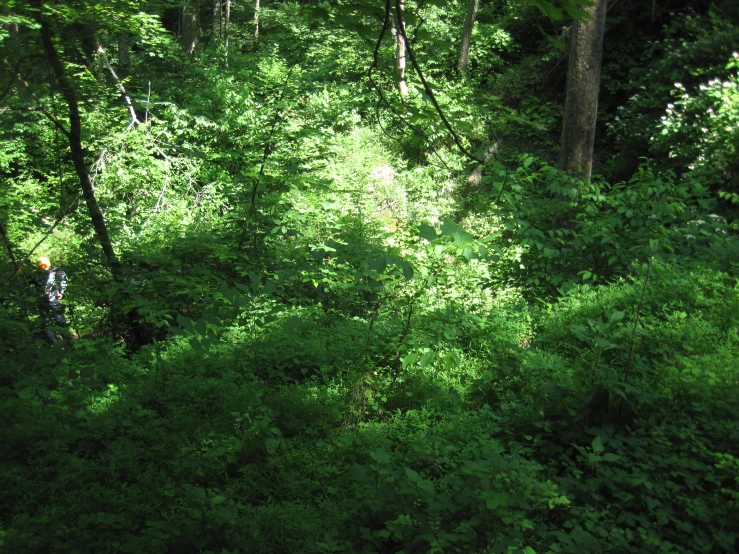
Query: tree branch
[[48, 115], [9, 247], [426, 87], [13, 75], [75, 141], [126, 98]]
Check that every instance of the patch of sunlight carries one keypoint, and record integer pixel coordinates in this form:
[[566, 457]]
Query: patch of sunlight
[[102, 401]]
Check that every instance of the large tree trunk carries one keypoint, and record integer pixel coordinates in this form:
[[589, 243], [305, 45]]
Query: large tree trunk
[[583, 84], [399, 54], [469, 23], [75, 141], [190, 31]]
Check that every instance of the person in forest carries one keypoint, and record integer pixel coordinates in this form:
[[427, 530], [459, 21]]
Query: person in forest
[[51, 283]]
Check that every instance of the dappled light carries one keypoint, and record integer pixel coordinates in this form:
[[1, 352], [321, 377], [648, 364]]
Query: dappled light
[[370, 277]]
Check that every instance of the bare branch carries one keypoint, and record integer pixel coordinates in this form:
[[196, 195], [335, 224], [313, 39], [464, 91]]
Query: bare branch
[[426, 87], [126, 98]]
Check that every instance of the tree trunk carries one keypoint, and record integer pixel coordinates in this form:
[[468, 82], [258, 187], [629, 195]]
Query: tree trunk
[[399, 54], [190, 34], [124, 59], [75, 141], [11, 28], [583, 84], [469, 23], [218, 20], [226, 21], [256, 19]]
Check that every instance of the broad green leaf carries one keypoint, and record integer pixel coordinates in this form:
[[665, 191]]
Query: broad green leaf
[[184, 322], [377, 264], [200, 327], [410, 359], [462, 237], [427, 358], [407, 271], [498, 500], [448, 227], [254, 278], [597, 444], [412, 475], [427, 232]]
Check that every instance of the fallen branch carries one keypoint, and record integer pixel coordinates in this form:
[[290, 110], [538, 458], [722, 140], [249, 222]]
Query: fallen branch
[[126, 98]]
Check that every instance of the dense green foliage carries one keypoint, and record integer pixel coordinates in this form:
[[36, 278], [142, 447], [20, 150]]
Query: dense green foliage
[[332, 332]]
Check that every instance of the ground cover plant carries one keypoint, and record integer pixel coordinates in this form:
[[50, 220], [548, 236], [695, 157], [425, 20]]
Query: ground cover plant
[[335, 285]]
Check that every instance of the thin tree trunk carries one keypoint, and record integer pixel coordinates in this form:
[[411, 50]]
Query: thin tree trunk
[[225, 29], [12, 28], [583, 85], [256, 19], [400, 64], [9, 246], [217, 20], [190, 26], [75, 142], [124, 59], [469, 23]]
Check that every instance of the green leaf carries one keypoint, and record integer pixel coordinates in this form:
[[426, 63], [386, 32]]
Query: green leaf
[[254, 278], [200, 328], [427, 358], [357, 473], [380, 455], [407, 271], [427, 232], [410, 359], [597, 444], [462, 237], [616, 316], [498, 500], [377, 264], [184, 322], [448, 227], [412, 475], [218, 499]]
